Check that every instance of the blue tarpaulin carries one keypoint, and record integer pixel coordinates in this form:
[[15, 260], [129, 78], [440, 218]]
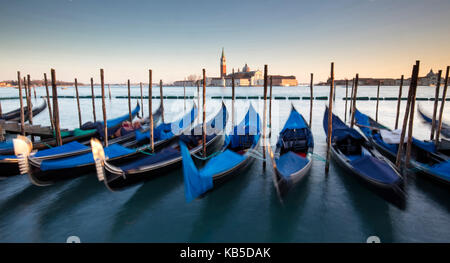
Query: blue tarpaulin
[[66, 148], [290, 163], [111, 151], [165, 154], [340, 129], [119, 120], [167, 130], [6, 145], [376, 169], [442, 170], [245, 131], [195, 182], [364, 120]]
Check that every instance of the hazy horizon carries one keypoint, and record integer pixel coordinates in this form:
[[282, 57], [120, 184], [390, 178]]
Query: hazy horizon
[[375, 38]]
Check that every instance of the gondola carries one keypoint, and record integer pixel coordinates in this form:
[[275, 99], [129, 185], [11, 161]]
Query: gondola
[[9, 163], [15, 114], [46, 172], [350, 150], [424, 156], [77, 135], [292, 158], [233, 158], [144, 167]]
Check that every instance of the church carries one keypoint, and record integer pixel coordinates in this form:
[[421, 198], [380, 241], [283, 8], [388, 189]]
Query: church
[[246, 77]]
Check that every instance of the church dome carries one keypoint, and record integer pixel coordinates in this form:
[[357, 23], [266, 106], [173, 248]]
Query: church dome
[[246, 68]]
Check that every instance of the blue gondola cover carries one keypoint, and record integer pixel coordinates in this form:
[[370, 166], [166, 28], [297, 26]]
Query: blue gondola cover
[[374, 168], [340, 129], [111, 151], [66, 148], [195, 183], [167, 130]]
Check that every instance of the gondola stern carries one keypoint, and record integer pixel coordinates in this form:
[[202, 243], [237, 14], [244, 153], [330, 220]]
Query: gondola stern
[[22, 149], [99, 158]]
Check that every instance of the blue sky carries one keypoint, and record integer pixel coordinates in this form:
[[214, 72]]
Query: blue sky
[[379, 38]]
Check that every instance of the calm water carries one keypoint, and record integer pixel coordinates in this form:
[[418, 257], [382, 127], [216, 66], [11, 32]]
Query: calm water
[[333, 208]]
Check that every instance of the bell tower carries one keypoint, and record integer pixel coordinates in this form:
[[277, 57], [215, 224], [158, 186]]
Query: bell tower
[[223, 65]]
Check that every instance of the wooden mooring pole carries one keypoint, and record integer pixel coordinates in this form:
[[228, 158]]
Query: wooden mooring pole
[[150, 110], [346, 99], [351, 98], [204, 114], [49, 105], [161, 96], [399, 102], [142, 101], [56, 108], [22, 117], [378, 101], [441, 111], [29, 104], [265, 117], [270, 107], [399, 156], [184, 94], [311, 95], [233, 94], [436, 102], [109, 91], [78, 103], [411, 116], [355, 91], [93, 99], [330, 120], [130, 117], [105, 122]]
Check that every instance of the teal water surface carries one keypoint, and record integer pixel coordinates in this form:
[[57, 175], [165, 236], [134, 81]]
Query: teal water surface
[[321, 208]]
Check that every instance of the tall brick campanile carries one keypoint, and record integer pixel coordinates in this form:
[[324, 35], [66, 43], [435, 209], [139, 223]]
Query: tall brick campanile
[[223, 65]]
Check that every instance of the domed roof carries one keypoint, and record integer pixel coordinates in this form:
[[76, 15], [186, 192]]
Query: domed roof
[[246, 68]]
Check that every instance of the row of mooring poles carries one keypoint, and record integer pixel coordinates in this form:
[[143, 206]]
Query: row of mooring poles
[[409, 112]]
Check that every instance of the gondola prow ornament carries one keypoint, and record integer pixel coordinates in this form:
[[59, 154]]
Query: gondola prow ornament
[[99, 157], [22, 149]]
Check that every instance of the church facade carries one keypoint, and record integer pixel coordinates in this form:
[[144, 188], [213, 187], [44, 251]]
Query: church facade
[[247, 77]]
